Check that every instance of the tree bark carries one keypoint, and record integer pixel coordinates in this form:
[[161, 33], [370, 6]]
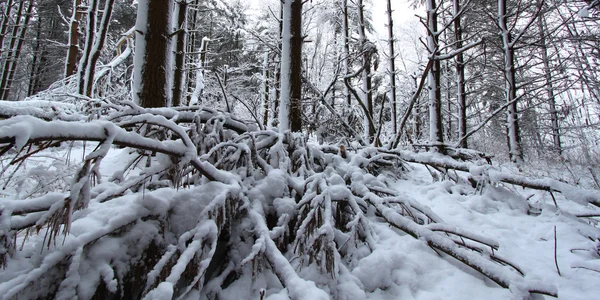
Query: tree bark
[[73, 39], [392, 65], [366, 73], [512, 121], [97, 47], [346, 59], [436, 137], [179, 74], [89, 41], [290, 110], [549, 86], [460, 77], [13, 58], [152, 43], [5, 20]]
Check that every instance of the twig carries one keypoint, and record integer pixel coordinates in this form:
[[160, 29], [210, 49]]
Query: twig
[[555, 259]]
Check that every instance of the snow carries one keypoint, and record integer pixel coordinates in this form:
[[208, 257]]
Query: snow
[[584, 12], [407, 236]]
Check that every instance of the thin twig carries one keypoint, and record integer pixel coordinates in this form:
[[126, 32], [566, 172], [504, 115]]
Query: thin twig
[[555, 259]]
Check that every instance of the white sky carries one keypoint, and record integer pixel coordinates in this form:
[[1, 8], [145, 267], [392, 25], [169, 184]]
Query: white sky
[[401, 8], [401, 11]]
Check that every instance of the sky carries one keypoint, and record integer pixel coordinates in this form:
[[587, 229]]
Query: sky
[[401, 8]]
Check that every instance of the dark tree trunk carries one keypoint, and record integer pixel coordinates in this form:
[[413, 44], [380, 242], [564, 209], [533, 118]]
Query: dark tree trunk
[[154, 91], [5, 19], [296, 66], [34, 63], [73, 40], [13, 59], [460, 78]]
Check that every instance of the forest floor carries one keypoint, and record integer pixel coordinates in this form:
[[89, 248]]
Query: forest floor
[[537, 234]]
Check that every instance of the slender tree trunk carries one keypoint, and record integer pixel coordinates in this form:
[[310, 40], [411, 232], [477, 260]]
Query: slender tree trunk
[[34, 62], [366, 73], [392, 65], [73, 39], [193, 36], [436, 137], [416, 115], [151, 88], [346, 59], [5, 20], [266, 89], [461, 94], [89, 42], [512, 126], [8, 53], [8, 75], [97, 47], [549, 86], [290, 110], [179, 74]]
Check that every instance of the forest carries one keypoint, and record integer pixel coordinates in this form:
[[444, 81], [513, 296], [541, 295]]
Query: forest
[[299, 149]]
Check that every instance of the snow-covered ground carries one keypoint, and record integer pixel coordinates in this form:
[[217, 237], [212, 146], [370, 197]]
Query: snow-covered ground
[[522, 221], [414, 271]]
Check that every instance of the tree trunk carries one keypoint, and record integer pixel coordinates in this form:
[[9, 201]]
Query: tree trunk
[[152, 51], [73, 39], [436, 137], [512, 122], [12, 60], [549, 86], [366, 73], [461, 95], [89, 42], [97, 47], [34, 63], [392, 65], [179, 74], [346, 60], [266, 89], [290, 107], [5, 21]]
